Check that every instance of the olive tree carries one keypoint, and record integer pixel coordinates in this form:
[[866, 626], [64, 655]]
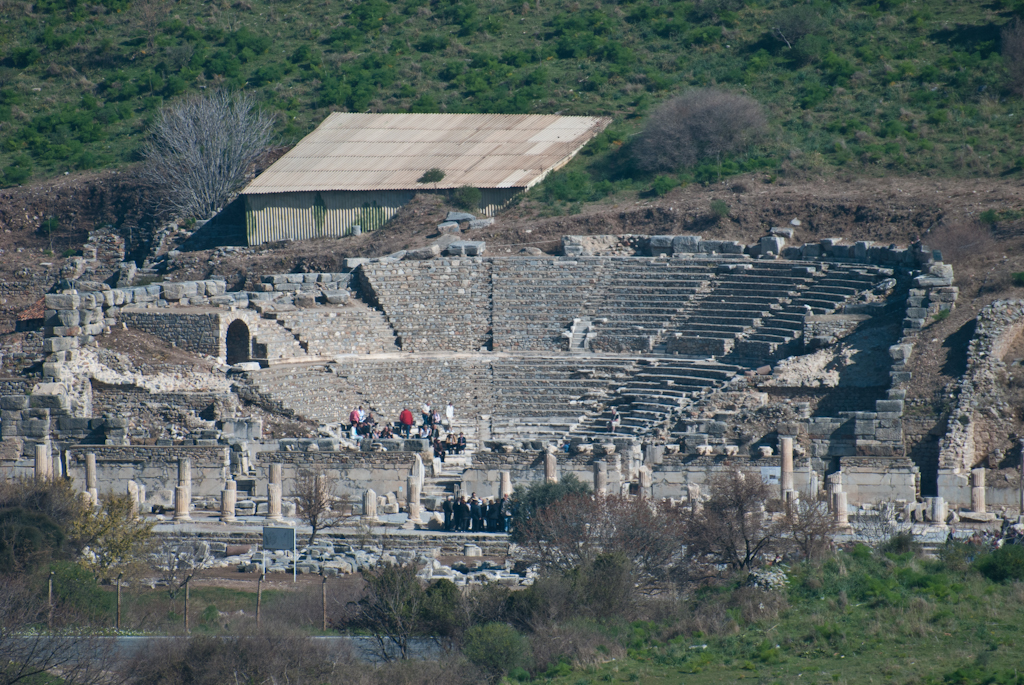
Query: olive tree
[[200, 149]]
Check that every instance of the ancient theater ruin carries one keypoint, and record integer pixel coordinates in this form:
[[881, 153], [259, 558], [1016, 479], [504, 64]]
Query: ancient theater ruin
[[640, 363]]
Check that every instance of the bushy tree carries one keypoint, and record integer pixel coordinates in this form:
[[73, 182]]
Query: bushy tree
[[200, 149], [529, 500], [701, 124]]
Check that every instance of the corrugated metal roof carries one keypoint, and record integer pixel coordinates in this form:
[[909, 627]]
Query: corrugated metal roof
[[392, 151]]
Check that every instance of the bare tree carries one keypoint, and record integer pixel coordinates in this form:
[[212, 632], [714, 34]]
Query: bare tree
[[809, 526], [701, 124], [314, 501], [575, 531], [1012, 39], [731, 527], [200, 149], [391, 609]]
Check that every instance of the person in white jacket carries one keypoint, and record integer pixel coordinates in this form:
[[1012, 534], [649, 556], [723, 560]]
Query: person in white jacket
[[449, 415]]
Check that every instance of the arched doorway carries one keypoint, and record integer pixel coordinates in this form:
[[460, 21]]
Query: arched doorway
[[237, 342]]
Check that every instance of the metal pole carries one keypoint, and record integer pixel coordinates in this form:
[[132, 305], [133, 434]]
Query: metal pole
[[295, 558], [118, 625], [259, 598], [323, 586]]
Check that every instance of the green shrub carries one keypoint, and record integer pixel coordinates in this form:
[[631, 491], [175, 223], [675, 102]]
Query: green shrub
[[719, 209], [989, 216], [1018, 278], [1004, 564], [663, 184], [496, 647], [467, 198]]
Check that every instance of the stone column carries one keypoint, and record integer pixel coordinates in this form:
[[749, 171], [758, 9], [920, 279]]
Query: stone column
[[786, 480], [133, 497], [228, 499], [646, 482], [506, 485], [182, 502], [978, 491], [185, 477], [275, 474], [839, 505], [550, 467], [600, 478], [44, 465], [369, 505], [412, 501], [90, 477], [417, 470], [274, 502], [939, 510]]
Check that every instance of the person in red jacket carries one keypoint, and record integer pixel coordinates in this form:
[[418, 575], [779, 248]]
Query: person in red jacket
[[405, 418], [354, 418]]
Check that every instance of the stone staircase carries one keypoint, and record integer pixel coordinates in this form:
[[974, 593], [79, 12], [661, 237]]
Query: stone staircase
[[657, 390], [328, 332]]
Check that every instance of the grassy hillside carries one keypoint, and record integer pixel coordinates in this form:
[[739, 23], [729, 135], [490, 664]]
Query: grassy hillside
[[880, 86]]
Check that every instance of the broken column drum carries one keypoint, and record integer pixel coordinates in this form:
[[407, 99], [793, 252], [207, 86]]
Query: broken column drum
[[506, 485]]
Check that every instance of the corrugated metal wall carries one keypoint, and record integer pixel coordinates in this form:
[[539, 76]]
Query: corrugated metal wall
[[306, 215]]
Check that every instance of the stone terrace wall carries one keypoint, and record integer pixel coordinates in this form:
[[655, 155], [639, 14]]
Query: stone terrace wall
[[999, 324], [156, 467], [354, 472]]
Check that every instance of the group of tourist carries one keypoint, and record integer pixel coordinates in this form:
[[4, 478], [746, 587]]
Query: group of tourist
[[362, 424], [478, 515]]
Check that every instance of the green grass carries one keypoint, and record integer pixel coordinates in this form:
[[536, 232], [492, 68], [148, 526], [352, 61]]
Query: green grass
[[887, 86], [859, 618]]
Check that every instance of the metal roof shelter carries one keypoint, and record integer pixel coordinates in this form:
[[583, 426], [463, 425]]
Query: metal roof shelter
[[358, 169]]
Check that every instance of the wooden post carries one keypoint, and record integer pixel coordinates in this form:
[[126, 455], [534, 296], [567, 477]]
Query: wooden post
[[49, 603], [186, 603], [323, 586], [259, 598], [118, 624]]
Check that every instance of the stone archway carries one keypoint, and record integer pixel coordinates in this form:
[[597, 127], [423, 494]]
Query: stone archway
[[237, 342]]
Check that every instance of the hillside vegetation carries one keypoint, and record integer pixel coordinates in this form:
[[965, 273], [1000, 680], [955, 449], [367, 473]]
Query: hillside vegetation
[[869, 86]]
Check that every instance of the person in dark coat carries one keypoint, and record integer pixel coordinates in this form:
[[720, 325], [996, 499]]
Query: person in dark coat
[[477, 514], [493, 516], [446, 507], [467, 512]]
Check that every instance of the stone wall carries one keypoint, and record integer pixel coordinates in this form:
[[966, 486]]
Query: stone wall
[[194, 330], [155, 467]]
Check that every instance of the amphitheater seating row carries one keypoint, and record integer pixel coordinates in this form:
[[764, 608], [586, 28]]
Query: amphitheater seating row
[[439, 304]]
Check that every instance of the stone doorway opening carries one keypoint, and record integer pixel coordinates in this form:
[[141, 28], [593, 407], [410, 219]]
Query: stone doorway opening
[[237, 343]]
